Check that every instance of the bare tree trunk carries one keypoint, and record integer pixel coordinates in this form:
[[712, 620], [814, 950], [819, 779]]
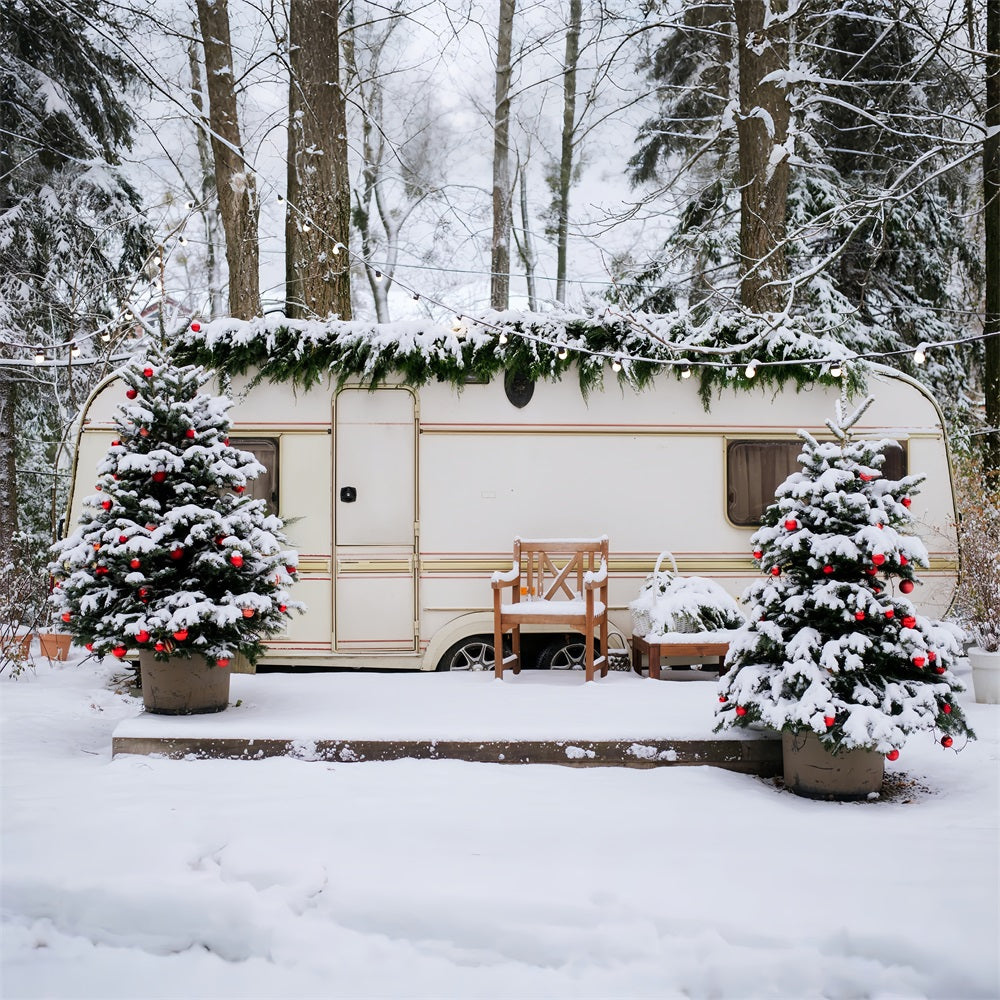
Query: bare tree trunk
[[500, 257], [208, 209], [566, 152], [526, 245], [762, 128], [991, 199], [318, 279], [234, 182]]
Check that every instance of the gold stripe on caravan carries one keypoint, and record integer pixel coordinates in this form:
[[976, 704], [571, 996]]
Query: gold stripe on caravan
[[701, 565], [366, 566], [314, 565]]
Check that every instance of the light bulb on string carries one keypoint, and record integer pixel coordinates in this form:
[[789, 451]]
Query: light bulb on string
[[74, 350], [378, 275], [920, 354], [306, 228], [836, 371], [337, 247], [280, 198], [106, 337], [685, 371], [182, 240], [563, 354], [416, 296], [502, 339], [751, 369], [188, 205], [616, 365], [39, 355]]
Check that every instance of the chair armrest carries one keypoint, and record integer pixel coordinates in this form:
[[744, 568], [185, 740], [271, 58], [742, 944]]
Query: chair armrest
[[508, 579], [597, 578]]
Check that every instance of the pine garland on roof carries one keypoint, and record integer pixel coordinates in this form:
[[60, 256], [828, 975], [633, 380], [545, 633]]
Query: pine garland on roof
[[542, 346]]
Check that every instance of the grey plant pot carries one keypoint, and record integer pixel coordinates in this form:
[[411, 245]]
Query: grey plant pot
[[985, 675], [811, 770], [180, 686]]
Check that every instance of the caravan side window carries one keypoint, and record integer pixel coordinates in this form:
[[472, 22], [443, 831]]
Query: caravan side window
[[265, 450], [755, 469]]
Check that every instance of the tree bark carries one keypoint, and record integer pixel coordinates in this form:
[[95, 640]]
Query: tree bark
[[526, 245], [566, 151], [991, 200], [763, 132], [234, 180], [8, 467], [317, 220], [207, 209], [500, 256]]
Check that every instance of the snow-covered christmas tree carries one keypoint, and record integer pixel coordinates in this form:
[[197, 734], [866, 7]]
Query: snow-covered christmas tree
[[169, 554], [833, 645]]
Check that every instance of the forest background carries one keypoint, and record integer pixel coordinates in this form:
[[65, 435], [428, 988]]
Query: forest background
[[765, 181]]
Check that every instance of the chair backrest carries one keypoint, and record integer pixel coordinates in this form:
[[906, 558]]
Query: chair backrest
[[551, 566]]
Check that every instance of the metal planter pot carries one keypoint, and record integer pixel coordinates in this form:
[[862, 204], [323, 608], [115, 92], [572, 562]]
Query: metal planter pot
[[180, 686], [811, 770]]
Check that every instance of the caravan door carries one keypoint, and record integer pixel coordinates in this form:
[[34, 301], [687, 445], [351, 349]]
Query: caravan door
[[375, 520]]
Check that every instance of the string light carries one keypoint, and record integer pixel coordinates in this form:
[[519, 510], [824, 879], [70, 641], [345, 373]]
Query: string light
[[920, 354], [502, 339], [39, 355], [182, 240], [189, 205], [74, 350], [616, 365], [836, 371], [106, 337], [751, 369], [306, 228], [337, 247], [564, 354], [378, 275], [281, 198], [685, 371]]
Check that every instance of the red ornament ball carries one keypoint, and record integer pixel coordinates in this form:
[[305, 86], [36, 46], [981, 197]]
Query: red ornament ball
[[119, 651], [134, 563], [775, 571], [160, 647], [829, 720], [290, 569], [248, 612], [828, 570], [757, 554], [148, 372], [66, 616], [132, 393], [282, 607], [196, 327], [106, 504], [890, 613], [919, 661], [236, 559], [189, 432], [740, 711], [98, 487], [906, 586], [143, 432], [939, 670], [722, 699], [871, 571], [903, 561], [906, 501], [859, 616], [909, 622], [791, 524], [946, 741], [177, 553], [142, 636], [181, 634], [116, 444], [892, 755], [225, 441], [946, 708], [878, 558], [89, 647], [122, 539], [239, 489], [222, 661], [932, 656], [159, 476], [101, 570]]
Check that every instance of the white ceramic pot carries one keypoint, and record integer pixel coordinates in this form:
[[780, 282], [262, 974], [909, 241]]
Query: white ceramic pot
[[985, 675]]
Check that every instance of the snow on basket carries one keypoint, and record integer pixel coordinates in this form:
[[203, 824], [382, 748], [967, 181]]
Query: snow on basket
[[669, 602]]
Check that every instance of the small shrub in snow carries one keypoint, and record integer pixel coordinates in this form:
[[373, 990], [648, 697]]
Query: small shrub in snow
[[979, 546], [829, 647], [169, 555]]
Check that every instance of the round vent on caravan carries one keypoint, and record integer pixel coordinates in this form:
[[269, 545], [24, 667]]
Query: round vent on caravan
[[519, 388]]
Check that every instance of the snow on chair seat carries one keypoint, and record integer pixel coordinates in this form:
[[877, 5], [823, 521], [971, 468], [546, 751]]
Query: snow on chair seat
[[542, 580]]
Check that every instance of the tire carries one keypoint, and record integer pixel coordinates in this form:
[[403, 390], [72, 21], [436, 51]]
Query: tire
[[565, 653], [474, 652]]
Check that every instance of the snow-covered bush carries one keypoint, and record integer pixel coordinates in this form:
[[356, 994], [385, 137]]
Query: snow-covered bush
[[169, 555], [671, 603], [979, 547], [828, 646]]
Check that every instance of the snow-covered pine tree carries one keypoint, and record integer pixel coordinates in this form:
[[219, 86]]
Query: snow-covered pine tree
[[828, 646], [169, 554]]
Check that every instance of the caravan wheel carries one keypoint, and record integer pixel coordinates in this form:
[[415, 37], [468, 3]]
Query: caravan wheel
[[567, 653], [472, 653]]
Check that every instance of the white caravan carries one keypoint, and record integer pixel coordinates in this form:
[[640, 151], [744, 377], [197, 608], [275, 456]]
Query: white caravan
[[402, 502]]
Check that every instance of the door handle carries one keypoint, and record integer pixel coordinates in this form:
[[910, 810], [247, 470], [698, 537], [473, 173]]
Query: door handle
[[348, 494]]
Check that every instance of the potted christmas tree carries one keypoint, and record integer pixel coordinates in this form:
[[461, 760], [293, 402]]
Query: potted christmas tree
[[170, 558], [834, 655]]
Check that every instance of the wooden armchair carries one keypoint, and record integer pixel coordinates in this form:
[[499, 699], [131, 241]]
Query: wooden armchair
[[555, 581]]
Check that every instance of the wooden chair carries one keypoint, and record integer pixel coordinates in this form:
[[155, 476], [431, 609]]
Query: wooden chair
[[555, 581]]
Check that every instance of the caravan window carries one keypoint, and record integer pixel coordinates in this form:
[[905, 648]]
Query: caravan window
[[265, 450], [755, 469]]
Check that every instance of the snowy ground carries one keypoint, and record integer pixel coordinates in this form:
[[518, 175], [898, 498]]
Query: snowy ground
[[143, 877]]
